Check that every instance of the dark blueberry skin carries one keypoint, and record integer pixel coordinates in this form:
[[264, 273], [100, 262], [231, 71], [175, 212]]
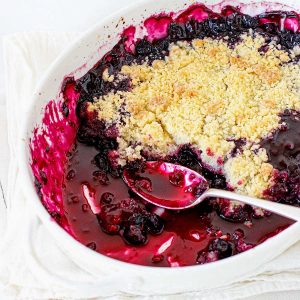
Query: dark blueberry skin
[[129, 218], [154, 224], [238, 214], [143, 47], [187, 157], [134, 235], [224, 248]]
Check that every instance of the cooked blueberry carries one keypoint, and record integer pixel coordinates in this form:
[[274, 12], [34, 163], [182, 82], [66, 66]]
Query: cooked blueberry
[[136, 165], [128, 59], [143, 47], [161, 45], [134, 235], [236, 214], [249, 22], [237, 22], [116, 172], [190, 29], [214, 180], [130, 205], [177, 31], [219, 182], [137, 219], [238, 234], [270, 27], [223, 247], [154, 224], [220, 26], [102, 162], [107, 198], [105, 144], [289, 40], [194, 29], [200, 188], [83, 136], [188, 158], [90, 131], [81, 109], [206, 257], [70, 175], [87, 82], [214, 26]]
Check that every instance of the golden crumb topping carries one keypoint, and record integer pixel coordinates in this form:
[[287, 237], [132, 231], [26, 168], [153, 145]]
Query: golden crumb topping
[[207, 94]]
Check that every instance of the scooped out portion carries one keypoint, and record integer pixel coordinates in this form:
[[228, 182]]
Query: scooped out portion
[[123, 226]]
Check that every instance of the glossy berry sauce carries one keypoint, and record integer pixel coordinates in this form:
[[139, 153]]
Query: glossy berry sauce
[[81, 185], [174, 239]]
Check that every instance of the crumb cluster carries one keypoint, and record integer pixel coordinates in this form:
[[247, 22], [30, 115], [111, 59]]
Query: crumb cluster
[[207, 94]]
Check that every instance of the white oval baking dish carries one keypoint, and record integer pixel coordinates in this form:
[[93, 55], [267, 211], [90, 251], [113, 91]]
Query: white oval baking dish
[[76, 60]]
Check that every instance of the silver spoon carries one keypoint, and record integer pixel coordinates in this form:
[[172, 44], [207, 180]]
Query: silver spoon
[[192, 179]]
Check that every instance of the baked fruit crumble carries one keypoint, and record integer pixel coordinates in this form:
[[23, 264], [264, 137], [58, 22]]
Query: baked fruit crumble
[[218, 93], [208, 95]]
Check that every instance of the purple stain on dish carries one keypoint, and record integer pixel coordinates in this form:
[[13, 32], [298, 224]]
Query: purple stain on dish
[[128, 35], [157, 27], [49, 147]]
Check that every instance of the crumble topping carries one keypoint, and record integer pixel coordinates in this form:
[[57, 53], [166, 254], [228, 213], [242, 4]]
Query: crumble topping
[[207, 94]]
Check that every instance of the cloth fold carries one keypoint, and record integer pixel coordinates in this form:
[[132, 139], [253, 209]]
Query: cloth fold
[[32, 265]]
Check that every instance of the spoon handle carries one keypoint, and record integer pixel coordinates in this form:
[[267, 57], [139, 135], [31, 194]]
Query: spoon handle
[[278, 208]]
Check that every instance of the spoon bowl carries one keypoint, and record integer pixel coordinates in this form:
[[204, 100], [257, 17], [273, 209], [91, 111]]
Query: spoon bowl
[[176, 187], [166, 185]]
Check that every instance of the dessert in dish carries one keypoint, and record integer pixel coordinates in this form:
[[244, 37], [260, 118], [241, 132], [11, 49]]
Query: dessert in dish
[[215, 92]]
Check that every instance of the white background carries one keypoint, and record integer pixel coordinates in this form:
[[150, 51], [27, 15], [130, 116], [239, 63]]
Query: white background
[[59, 15]]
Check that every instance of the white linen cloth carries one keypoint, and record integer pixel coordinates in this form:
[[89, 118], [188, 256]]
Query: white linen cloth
[[32, 266]]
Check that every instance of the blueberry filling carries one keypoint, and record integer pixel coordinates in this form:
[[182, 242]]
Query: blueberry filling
[[283, 149]]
